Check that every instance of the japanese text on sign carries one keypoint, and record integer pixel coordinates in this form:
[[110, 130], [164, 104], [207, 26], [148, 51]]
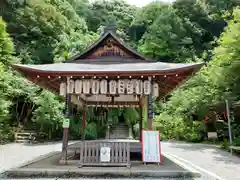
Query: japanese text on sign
[[151, 146]]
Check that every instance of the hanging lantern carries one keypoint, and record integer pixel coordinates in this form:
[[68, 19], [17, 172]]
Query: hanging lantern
[[134, 82], [70, 87], [78, 86], [147, 87], [129, 85], [95, 87], [86, 86], [103, 87], [121, 87], [139, 87], [63, 89], [112, 87], [155, 90]]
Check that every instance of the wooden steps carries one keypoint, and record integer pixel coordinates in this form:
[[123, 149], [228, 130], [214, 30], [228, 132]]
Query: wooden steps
[[119, 131], [26, 137]]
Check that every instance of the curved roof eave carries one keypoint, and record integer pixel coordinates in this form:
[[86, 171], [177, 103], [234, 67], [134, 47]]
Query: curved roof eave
[[139, 68]]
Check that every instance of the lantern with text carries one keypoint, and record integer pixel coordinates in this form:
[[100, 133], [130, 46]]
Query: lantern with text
[[147, 87], [121, 87], [139, 87], [129, 86], [78, 86], [86, 87], [70, 87], [103, 86], [95, 86], [155, 90], [63, 89], [112, 87]]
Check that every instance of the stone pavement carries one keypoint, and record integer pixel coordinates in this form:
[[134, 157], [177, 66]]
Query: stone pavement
[[13, 155], [211, 160]]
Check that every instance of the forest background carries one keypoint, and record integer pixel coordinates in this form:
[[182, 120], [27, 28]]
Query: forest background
[[50, 31]]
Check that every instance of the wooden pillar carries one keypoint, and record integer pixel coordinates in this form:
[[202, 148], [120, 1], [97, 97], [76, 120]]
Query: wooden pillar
[[84, 122], [65, 130], [140, 121], [150, 112]]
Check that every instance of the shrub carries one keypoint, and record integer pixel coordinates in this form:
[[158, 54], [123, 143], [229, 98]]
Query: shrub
[[177, 128]]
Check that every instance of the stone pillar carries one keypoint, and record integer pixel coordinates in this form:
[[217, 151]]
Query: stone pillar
[[130, 133]]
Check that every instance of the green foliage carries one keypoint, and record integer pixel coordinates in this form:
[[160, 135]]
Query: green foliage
[[214, 83], [6, 49], [105, 12], [170, 41], [131, 115], [175, 127], [236, 141], [48, 31], [48, 113]]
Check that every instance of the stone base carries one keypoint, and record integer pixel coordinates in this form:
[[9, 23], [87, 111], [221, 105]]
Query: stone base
[[49, 167], [96, 172]]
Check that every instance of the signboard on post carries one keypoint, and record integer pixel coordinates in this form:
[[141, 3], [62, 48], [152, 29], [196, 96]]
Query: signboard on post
[[66, 123], [151, 149]]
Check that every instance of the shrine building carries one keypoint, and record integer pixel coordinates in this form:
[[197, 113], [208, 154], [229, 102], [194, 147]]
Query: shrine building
[[108, 74]]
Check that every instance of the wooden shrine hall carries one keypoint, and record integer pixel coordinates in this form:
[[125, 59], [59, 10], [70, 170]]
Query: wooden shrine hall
[[108, 74]]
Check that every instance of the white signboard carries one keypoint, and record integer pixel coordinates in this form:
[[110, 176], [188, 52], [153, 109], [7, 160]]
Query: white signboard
[[105, 154], [151, 150]]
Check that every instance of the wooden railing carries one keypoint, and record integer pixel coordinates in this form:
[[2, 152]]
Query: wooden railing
[[90, 153]]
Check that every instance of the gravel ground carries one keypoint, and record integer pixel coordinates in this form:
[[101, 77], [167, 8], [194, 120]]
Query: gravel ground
[[208, 157]]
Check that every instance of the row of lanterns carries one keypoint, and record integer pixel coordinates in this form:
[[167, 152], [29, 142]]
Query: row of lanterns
[[113, 87]]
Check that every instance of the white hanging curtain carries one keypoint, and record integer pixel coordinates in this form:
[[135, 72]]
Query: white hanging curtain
[[86, 87], [103, 87], [139, 87], [121, 87], [155, 90], [63, 89], [147, 87], [70, 87], [129, 85], [112, 87], [78, 86], [95, 87]]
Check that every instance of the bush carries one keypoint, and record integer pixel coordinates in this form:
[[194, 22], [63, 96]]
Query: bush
[[236, 141], [6, 134], [177, 128], [91, 131]]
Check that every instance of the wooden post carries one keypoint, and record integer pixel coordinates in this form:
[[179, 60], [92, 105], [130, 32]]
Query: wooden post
[[84, 122], [150, 112], [140, 122], [65, 130]]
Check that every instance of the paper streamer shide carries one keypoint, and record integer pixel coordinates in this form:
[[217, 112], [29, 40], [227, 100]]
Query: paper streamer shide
[[112, 87]]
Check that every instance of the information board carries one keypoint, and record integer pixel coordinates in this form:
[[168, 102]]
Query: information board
[[66, 123], [105, 154], [151, 149]]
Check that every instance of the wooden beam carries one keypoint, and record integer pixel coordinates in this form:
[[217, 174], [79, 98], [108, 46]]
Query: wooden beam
[[113, 103]]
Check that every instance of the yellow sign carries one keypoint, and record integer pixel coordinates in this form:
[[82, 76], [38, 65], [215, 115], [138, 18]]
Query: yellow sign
[[66, 123]]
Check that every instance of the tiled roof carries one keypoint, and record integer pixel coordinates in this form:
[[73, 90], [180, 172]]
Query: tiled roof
[[124, 67]]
